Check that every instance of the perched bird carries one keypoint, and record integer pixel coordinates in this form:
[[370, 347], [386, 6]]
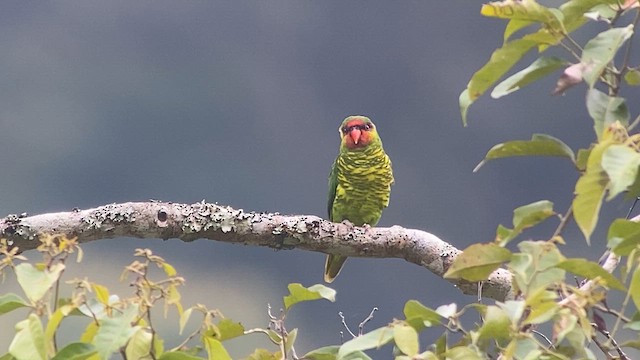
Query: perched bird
[[359, 183]]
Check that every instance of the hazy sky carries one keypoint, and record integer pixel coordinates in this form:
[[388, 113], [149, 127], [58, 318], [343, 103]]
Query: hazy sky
[[238, 102]]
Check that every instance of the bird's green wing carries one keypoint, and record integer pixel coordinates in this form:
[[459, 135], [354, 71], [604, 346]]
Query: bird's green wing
[[333, 184], [334, 263]]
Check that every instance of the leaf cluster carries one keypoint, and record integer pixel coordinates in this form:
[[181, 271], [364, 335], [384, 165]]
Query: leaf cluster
[[606, 168], [119, 325]]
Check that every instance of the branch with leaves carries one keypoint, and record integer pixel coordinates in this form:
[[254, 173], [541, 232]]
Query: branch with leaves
[[222, 223]]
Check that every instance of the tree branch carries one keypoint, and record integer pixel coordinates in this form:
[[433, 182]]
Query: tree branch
[[222, 223]]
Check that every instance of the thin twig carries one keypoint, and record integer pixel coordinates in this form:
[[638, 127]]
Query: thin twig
[[366, 320], [610, 340], [344, 323], [618, 322], [570, 50], [602, 347], [634, 123], [615, 313], [627, 50], [152, 353], [186, 341], [621, 353], [543, 336], [563, 222]]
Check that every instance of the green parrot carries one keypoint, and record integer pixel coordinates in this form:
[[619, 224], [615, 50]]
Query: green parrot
[[359, 183]]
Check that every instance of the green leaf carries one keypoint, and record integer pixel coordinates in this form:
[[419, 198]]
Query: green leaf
[[591, 270], [10, 302], [184, 318], [539, 145], [477, 262], [496, 325], [114, 332], [535, 266], [527, 10], [574, 11], [54, 322], [298, 293], [447, 310], [543, 38], [158, 345], [464, 102], [606, 110], [621, 164], [513, 26], [414, 310], [94, 308], [331, 353], [291, 339], [36, 282], [633, 325], [29, 340], [632, 77], [7, 356], [76, 351], [169, 269], [214, 348], [102, 293], [542, 305], [603, 12], [406, 339], [633, 191], [139, 345], [504, 234], [582, 158], [526, 348], [525, 217], [228, 329], [513, 308], [264, 354], [569, 325], [371, 340], [274, 336], [590, 190], [542, 67], [172, 298], [323, 353], [89, 332], [532, 214], [623, 236], [600, 51], [500, 62], [178, 355], [463, 353]]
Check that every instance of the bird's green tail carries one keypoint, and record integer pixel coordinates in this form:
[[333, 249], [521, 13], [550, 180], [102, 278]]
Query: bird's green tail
[[333, 266]]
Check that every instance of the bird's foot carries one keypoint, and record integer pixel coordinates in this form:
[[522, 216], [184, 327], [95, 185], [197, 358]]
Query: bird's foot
[[367, 229], [348, 223]]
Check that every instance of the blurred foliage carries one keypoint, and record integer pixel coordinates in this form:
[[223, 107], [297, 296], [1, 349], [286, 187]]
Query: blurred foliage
[[118, 325], [549, 318]]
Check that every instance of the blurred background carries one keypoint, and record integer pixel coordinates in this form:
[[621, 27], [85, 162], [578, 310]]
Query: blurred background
[[238, 102]]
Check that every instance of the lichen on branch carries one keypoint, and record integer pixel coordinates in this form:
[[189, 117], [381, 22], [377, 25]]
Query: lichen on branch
[[188, 222]]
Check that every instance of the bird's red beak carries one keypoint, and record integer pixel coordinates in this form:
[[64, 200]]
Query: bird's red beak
[[355, 135]]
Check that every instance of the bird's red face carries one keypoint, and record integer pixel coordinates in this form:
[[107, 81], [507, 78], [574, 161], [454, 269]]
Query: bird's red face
[[357, 132]]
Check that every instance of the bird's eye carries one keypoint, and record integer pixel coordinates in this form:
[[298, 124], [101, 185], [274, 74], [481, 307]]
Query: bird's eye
[[345, 129], [367, 126]]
